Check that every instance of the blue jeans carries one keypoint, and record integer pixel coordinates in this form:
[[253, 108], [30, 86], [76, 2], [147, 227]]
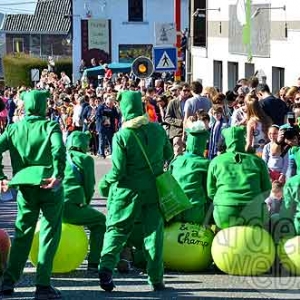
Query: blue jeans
[[105, 136]]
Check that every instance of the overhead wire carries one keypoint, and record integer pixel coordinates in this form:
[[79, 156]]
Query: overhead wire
[[18, 10], [26, 2]]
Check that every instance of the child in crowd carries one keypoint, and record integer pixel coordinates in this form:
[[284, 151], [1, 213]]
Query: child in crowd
[[215, 132], [274, 201], [274, 157], [63, 123]]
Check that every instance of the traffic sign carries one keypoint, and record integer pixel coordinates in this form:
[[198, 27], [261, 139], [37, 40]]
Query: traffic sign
[[165, 59], [35, 75], [165, 33]]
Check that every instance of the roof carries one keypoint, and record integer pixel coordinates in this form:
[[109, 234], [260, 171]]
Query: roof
[[49, 18], [1, 20]]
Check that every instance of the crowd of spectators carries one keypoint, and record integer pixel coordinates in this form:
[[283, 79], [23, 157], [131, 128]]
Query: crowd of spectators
[[271, 121]]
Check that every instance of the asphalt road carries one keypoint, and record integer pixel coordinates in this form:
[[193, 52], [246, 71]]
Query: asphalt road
[[206, 286]]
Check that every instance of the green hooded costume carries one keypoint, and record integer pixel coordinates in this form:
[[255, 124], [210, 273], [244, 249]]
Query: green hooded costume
[[131, 187], [238, 183], [37, 152], [79, 185], [190, 170], [288, 223]]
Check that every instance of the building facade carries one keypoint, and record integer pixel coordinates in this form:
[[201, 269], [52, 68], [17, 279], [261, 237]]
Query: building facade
[[220, 55], [119, 30], [44, 33]]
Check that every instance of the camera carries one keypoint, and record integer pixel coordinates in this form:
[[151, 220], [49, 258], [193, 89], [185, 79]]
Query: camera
[[291, 118], [290, 133]]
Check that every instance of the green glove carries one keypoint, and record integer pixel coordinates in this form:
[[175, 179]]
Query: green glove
[[104, 187]]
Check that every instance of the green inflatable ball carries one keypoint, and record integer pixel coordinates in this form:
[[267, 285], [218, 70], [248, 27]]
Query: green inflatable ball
[[243, 251], [71, 252], [187, 247], [289, 254]]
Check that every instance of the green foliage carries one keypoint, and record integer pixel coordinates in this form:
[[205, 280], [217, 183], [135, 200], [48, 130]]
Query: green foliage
[[17, 68]]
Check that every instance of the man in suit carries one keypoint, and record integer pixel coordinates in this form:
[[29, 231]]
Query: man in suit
[[175, 115]]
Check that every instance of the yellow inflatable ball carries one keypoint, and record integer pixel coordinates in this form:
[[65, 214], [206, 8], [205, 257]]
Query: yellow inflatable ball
[[187, 247], [71, 252], [244, 251], [289, 254]]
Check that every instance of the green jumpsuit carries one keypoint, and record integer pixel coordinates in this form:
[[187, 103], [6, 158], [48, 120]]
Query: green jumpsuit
[[37, 152], [132, 187], [238, 183], [288, 223], [79, 185], [190, 170]]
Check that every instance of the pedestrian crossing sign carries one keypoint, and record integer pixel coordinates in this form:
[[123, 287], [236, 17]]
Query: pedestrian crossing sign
[[165, 59]]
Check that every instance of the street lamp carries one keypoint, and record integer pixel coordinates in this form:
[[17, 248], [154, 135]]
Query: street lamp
[[258, 10], [198, 11]]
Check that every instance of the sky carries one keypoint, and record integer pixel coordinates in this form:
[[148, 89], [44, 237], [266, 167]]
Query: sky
[[17, 6]]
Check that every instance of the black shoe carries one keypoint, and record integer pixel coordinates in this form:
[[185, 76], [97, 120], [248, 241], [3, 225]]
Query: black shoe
[[7, 289], [106, 281], [92, 267], [157, 287], [124, 266], [46, 293]]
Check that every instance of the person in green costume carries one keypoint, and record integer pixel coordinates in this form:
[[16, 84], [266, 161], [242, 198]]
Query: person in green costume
[[287, 222], [79, 183], [190, 170], [238, 183], [131, 190], [38, 161]]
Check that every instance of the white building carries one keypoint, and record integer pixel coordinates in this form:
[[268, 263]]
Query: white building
[[118, 27], [219, 56]]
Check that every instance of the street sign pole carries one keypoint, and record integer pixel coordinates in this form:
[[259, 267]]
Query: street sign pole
[[177, 14]]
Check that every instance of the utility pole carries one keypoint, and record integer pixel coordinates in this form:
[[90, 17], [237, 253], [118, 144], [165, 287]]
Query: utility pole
[[177, 15], [190, 37]]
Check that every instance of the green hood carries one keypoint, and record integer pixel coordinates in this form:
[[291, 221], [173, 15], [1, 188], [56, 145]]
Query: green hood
[[130, 104], [196, 142], [197, 138], [235, 140], [79, 140], [35, 102]]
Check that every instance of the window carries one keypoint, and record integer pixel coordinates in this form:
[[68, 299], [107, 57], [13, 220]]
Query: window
[[18, 45], [47, 46], [277, 79], [135, 10], [200, 24], [218, 74], [233, 74], [249, 70], [35, 44]]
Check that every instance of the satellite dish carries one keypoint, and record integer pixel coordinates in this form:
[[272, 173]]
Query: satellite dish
[[142, 67]]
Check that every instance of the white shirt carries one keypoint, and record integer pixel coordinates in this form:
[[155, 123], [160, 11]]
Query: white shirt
[[76, 115]]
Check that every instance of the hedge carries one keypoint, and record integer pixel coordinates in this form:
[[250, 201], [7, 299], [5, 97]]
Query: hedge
[[17, 68]]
